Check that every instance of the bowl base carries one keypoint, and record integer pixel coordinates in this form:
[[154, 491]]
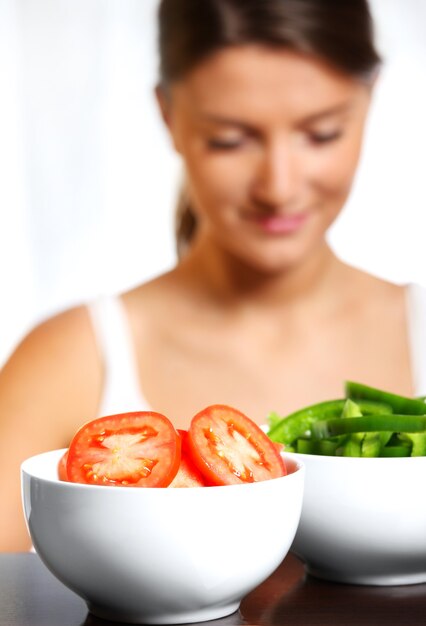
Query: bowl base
[[184, 617], [378, 580]]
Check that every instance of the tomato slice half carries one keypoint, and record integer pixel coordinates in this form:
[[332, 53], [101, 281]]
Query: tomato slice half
[[62, 467], [188, 473], [229, 448], [139, 449]]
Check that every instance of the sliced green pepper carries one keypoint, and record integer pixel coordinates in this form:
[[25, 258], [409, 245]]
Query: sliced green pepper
[[418, 441], [352, 447], [396, 451], [324, 447], [373, 443], [273, 419], [353, 444], [324, 429], [370, 422], [399, 404], [297, 424], [398, 440], [351, 409]]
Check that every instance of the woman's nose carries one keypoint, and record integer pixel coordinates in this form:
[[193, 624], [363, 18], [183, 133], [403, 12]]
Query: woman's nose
[[277, 176]]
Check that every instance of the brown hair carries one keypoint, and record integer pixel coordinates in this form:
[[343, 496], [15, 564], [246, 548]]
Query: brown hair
[[338, 31]]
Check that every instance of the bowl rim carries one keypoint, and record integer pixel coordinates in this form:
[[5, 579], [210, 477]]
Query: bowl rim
[[352, 459], [298, 468]]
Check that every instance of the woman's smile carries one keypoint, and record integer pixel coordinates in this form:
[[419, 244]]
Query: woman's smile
[[278, 223]]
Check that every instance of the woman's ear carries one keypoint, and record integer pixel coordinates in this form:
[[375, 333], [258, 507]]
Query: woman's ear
[[165, 105], [374, 77]]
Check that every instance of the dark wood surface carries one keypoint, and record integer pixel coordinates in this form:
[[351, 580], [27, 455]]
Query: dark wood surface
[[31, 596]]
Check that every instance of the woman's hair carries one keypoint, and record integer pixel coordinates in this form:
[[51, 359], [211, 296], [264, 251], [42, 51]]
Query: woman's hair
[[338, 31]]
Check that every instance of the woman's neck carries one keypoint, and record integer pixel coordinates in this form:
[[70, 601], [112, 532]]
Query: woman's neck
[[227, 282]]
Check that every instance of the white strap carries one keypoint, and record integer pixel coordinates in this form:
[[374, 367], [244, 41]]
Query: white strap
[[121, 392], [416, 308]]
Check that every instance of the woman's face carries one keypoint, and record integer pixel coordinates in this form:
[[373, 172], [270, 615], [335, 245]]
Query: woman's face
[[270, 140]]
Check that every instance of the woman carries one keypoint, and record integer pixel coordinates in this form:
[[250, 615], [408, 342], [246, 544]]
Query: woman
[[266, 102]]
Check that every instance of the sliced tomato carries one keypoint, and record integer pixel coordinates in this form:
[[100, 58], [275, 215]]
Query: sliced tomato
[[188, 473], [139, 449], [183, 434], [62, 467], [279, 446], [229, 448]]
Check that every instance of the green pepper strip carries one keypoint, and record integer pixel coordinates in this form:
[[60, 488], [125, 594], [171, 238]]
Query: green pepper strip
[[373, 443], [418, 441], [325, 447], [393, 451], [324, 429], [297, 424], [399, 404], [351, 409], [273, 419], [353, 445]]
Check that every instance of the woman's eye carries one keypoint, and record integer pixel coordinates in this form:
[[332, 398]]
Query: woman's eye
[[224, 144], [321, 138]]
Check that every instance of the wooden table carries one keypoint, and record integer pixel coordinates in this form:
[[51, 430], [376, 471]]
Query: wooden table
[[31, 596]]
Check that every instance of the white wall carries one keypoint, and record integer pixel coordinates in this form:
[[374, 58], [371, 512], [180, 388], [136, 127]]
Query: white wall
[[88, 178], [382, 228]]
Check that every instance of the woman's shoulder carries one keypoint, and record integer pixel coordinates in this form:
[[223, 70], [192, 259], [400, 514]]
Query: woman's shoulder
[[373, 287], [58, 334], [55, 368], [382, 290], [366, 299]]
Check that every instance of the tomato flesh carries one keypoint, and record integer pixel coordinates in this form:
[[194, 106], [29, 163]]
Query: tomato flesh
[[188, 473], [62, 467], [140, 449], [229, 448]]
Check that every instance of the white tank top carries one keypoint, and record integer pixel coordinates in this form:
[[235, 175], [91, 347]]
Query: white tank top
[[416, 315], [122, 393]]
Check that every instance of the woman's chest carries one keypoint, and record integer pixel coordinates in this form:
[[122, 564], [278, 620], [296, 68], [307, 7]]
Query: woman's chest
[[185, 373]]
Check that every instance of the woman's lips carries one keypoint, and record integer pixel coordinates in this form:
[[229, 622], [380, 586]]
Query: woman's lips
[[280, 224]]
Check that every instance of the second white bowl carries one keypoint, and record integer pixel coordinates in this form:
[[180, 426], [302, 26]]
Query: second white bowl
[[364, 519]]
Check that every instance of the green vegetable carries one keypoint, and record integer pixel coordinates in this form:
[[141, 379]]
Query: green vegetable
[[366, 444], [396, 451], [399, 404], [369, 422], [418, 443], [352, 447], [325, 447], [298, 424], [273, 419], [324, 429], [353, 443], [351, 409]]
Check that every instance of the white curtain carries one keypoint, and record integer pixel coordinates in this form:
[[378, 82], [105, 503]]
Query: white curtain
[[88, 177]]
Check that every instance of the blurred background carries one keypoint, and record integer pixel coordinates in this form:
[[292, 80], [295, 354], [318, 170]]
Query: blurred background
[[88, 178]]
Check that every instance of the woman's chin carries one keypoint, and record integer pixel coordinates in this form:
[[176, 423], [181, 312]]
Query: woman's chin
[[280, 258]]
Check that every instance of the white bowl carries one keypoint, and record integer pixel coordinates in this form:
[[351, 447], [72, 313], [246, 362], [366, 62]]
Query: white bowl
[[159, 556], [363, 519]]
